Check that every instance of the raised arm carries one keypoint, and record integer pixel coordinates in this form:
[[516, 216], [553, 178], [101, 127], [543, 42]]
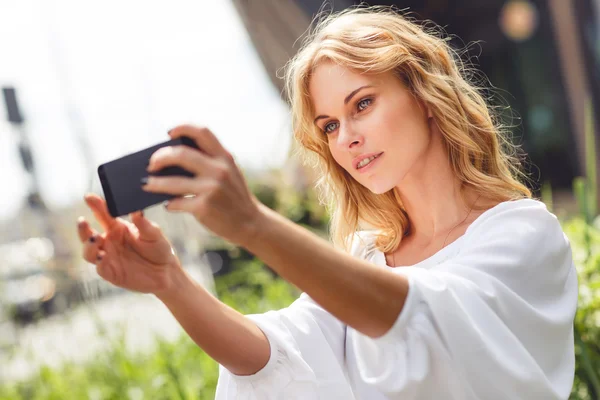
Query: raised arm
[[225, 334], [137, 256]]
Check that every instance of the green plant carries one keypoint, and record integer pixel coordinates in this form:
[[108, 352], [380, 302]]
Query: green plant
[[585, 240], [173, 370]]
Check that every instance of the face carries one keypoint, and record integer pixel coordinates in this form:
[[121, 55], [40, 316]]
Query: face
[[370, 115]]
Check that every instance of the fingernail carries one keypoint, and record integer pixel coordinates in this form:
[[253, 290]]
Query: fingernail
[[169, 132], [144, 181], [166, 204], [93, 239]]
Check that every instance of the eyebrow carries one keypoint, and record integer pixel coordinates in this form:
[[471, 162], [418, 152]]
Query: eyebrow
[[346, 100]]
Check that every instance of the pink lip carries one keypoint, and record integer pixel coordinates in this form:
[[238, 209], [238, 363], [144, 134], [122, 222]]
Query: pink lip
[[358, 159], [369, 165]]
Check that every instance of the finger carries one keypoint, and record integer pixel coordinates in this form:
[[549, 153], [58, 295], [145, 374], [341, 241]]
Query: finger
[[92, 247], [203, 137], [175, 185], [184, 204], [148, 230], [83, 229], [104, 269], [183, 156], [190, 204], [98, 207]]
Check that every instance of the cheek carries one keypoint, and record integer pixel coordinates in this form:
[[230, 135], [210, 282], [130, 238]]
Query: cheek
[[387, 122], [336, 156], [406, 130]]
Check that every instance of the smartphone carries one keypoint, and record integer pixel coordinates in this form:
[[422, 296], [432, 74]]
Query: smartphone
[[120, 179]]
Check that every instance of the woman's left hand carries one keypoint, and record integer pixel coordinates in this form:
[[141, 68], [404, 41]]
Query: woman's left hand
[[221, 199]]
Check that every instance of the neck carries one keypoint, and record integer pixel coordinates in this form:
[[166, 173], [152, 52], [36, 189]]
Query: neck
[[431, 194]]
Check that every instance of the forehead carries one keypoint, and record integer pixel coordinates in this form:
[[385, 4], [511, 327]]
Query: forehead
[[331, 83]]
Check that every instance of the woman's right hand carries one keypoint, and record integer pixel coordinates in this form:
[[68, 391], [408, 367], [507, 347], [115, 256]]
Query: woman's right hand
[[135, 256]]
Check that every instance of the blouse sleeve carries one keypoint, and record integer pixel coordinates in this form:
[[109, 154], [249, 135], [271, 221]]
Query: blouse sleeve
[[494, 322], [306, 361], [307, 354]]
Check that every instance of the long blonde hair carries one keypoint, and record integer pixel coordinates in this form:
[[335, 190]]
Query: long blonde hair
[[378, 40]]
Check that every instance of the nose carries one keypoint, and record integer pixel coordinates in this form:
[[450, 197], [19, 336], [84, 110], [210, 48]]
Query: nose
[[348, 137]]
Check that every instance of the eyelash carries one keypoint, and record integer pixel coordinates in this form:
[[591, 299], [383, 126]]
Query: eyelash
[[369, 99]]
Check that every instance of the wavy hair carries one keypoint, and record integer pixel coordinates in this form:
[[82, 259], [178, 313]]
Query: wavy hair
[[378, 40]]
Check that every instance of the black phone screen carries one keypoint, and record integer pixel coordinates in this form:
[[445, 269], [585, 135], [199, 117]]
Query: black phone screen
[[120, 179]]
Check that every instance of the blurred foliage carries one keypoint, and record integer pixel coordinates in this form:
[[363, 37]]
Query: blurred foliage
[[181, 370], [298, 205], [174, 370], [584, 233], [585, 242]]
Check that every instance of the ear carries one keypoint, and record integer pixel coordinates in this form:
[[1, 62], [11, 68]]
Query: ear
[[424, 106], [429, 113]]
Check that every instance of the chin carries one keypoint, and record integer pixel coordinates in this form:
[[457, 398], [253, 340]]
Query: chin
[[380, 187], [377, 184], [382, 190]]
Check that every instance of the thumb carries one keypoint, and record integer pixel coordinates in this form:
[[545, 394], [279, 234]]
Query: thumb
[[148, 230]]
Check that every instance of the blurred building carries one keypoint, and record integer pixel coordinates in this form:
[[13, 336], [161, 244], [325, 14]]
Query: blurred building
[[543, 55]]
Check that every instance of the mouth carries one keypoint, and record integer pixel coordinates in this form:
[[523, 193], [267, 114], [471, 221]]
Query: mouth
[[364, 167]]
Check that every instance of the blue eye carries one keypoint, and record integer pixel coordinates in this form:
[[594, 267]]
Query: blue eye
[[330, 127], [361, 106], [364, 103]]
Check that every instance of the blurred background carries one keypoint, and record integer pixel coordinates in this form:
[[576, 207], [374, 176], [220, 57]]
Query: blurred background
[[86, 82]]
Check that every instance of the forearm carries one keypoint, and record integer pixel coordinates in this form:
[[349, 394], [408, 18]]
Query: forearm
[[230, 338], [358, 293]]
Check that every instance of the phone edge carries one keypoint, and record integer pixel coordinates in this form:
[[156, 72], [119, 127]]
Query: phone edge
[[110, 201]]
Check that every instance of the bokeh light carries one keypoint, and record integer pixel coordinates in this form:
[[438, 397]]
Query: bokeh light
[[518, 19]]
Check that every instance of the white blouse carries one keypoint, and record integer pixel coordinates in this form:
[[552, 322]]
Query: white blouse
[[490, 316]]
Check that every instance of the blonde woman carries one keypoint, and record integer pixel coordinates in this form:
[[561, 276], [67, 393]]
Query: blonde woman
[[446, 279]]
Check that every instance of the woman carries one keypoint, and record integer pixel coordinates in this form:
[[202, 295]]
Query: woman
[[456, 285]]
